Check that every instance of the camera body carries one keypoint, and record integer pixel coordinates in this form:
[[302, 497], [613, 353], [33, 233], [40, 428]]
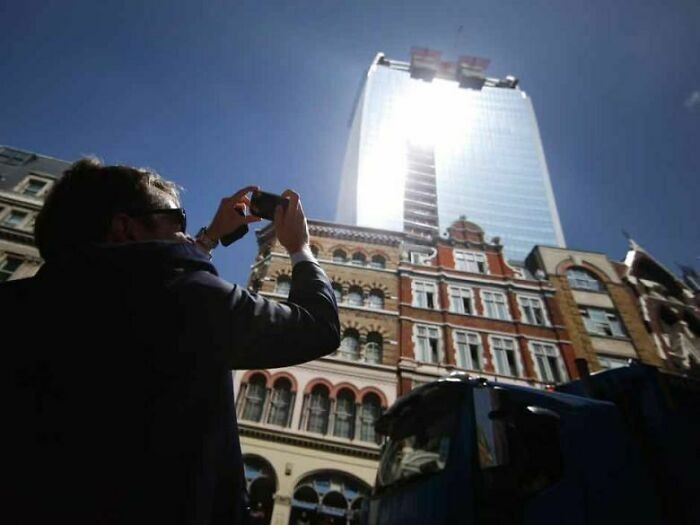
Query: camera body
[[263, 204]]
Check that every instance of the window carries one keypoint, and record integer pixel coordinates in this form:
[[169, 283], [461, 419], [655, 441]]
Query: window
[[338, 291], [505, 356], [14, 218], [371, 408], [377, 261], [495, 305], [255, 395], [9, 266], [318, 410], [602, 322], [470, 262], [424, 294], [373, 347], [532, 310], [420, 258], [280, 403], [359, 259], [376, 299], [34, 187], [340, 256], [548, 363], [284, 283], [461, 300], [582, 279], [607, 362], [355, 296], [350, 345], [427, 343], [344, 418], [468, 349], [13, 157]]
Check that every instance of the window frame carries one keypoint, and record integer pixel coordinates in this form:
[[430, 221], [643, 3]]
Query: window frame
[[419, 349], [290, 403], [586, 277], [468, 350], [310, 409], [461, 260], [415, 301], [6, 214], [483, 292], [493, 347], [540, 302], [381, 296], [21, 188], [544, 347], [349, 416], [5, 274], [458, 291], [246, 398], [589, 322]]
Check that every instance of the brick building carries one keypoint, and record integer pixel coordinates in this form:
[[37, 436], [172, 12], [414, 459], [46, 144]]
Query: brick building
[[25, 179], [599, 310], [464, 308], [307, 431]]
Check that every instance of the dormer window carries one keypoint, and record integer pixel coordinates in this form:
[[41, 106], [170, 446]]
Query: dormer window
[[470, 262]]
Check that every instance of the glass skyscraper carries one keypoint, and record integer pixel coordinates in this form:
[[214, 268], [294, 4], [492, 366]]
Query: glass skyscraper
[[431, 141]]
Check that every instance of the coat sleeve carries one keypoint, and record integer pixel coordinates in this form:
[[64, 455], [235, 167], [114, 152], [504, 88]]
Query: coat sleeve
[[250, 331]]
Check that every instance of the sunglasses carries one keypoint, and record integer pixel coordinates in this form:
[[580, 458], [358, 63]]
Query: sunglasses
[[177, 213]]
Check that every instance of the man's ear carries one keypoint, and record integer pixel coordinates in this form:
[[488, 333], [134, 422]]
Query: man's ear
[[121, 229]]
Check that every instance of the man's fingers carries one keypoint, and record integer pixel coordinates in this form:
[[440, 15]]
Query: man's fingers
[[251, 218], [240, 193], [279, 213], [293, 197]]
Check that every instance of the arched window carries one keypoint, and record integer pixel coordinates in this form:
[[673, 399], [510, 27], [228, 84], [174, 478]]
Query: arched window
[[350, 345], [318, 410], [376, 299], [377, 261], [355, 296], [373, 348], [582, 279], [280, 402], [284, 283], [314, 250], [344, 417], [340, 256], [255, 395], [338, 291], [359, 259], [371, 408]]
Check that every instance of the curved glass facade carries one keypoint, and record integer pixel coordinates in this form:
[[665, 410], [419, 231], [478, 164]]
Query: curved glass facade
[[488, 158]]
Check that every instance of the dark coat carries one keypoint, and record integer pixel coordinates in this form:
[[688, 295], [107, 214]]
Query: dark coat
[[117, 392]]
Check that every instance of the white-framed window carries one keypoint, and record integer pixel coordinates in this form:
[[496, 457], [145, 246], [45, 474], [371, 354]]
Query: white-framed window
[[318, 407], [371, 410], [582, 279], [427, 342], [283, 285], [358, 259], [607, 361], [602, 322], [8, 266], [338, 292], [420, 258], [14, 218], [532, 310], [495, 304], [461, 300], [33, 186], [549, 363], [255, 396], [468, 350], [470, 262], [424, 294], [506, 357]]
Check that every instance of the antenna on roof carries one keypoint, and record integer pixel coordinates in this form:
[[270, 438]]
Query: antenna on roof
[[455, 46]]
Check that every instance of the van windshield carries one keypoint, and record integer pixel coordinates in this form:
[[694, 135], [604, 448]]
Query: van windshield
[[422, 445]]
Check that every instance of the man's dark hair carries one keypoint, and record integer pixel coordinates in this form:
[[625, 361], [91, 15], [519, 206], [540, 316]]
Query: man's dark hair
[[80, 207]]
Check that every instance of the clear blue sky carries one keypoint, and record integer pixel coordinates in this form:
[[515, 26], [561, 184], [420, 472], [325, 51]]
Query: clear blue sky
[[216, 95]]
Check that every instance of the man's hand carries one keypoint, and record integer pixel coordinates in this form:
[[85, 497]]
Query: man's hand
[[290, 224], [227, 219]]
